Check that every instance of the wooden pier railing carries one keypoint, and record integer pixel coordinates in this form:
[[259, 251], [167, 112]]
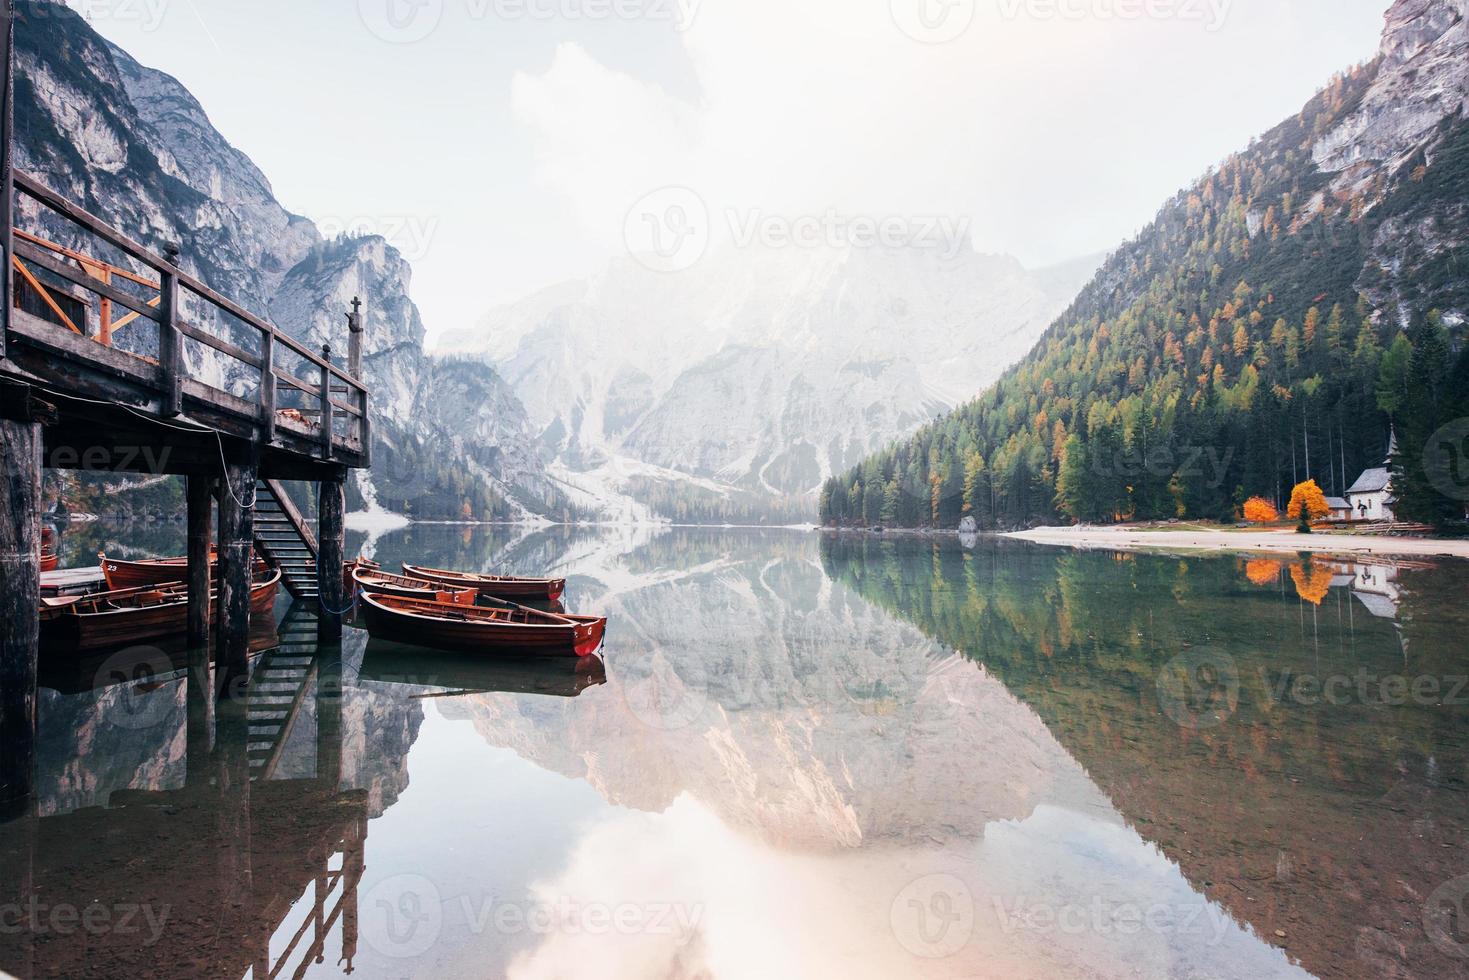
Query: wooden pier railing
[[73, 303]]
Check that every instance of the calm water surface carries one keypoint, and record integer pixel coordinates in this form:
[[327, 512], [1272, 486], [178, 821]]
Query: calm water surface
[[804, 757]]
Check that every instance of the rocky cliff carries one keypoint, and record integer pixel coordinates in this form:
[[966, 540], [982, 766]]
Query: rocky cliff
[[131, 145]]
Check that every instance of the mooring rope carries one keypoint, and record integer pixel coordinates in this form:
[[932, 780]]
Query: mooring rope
[[218, 438]]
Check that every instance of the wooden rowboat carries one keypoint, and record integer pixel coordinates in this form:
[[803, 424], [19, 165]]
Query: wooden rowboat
[[471, 629], [112, 619], [157, 571], [492, 586], [366, 579], [49, 561], [348, 567]]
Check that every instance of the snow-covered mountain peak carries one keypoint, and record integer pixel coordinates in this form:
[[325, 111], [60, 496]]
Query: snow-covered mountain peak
[[761, 369]]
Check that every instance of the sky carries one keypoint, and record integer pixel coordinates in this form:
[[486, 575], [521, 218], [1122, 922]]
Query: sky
[[507, 145]]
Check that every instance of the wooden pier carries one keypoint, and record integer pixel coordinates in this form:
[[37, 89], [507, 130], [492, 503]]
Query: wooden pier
[[101, 345], [259, 828]]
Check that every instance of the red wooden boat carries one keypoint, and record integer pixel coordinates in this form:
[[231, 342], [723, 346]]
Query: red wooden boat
[[157, 571], [49, 561], [118, 618], [492, 586], [348, 567], [472, 629], [369, 579]]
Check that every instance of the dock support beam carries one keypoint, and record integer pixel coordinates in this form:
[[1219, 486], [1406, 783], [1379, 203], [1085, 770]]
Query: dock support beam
[[236, 540], [331, 528], [7, 165], [201, 534], [20, 596]]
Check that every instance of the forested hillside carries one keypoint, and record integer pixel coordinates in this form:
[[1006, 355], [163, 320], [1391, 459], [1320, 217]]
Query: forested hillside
[[1275, 322]]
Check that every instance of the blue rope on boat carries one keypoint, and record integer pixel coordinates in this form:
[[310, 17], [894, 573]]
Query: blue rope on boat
[[321, 591]]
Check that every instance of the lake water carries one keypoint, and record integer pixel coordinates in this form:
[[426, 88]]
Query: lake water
[[805, 756]]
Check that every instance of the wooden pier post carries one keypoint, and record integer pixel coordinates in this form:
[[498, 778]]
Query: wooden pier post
[[201, 533], [354, 339], [236, 541], [20, 590], [7, 165], [330, 531]]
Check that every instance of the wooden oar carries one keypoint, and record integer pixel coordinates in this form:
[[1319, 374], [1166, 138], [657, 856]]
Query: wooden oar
[[506, 604]]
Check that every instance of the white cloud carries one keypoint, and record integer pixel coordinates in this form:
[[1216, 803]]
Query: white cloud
[[1054, 135]]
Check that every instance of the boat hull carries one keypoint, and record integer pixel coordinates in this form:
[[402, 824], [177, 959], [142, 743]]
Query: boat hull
[[463, 630], [161, 571], [492, 586], [84, 627]]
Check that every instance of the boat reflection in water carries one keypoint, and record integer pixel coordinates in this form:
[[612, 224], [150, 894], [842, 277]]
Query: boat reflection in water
[[393, 663]]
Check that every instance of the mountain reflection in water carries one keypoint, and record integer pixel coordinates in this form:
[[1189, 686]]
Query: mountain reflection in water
[[803, 756]]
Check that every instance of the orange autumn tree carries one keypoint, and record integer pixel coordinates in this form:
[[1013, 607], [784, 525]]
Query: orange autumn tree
[[1307, 502], [1312, 582], [1258, 510], [1263, 571]]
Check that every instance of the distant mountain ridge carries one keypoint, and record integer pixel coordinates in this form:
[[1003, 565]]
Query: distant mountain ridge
[[730, 391], [1280, 314]]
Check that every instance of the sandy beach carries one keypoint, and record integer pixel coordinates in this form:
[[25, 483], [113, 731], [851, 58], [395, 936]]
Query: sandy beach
[[1188, 538]]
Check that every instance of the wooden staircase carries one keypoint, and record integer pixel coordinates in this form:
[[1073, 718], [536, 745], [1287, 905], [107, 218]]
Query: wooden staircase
[[286, 541], [278, 689]]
